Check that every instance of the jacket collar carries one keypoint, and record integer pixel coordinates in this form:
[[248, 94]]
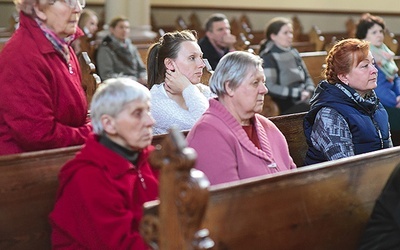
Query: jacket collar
[[115, 163], [44, 45]]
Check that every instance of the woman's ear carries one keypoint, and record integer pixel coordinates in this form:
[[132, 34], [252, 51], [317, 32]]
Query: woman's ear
[[38, 9], [108, 123], [273, 36], [228, 89], [343, 78], [168, 64]]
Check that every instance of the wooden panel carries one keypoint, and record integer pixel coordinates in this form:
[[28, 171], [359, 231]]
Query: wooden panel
[[324, 206], [315, 62], [27, 194]]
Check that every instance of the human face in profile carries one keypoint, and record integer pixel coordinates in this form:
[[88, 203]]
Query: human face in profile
[[248, 97], [91, 25], [132, 128], [362, 76], [284, 38], [375, 35], [190, 61], [60, 18]]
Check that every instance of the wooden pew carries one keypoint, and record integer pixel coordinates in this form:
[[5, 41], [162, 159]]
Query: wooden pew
[[90, 80], [29, 184], [315, 62], [316, 37], [391, 41], [28, 188], [322, 206], [291, 127]]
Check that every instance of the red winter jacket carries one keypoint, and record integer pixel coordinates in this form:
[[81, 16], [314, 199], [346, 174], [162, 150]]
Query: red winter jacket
[[100, 198], [42, 105]]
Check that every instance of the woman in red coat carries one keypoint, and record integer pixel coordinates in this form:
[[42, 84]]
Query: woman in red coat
[[102, 190], [42, 104]]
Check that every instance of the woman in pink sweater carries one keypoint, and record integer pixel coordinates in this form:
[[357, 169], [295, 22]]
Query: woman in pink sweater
[[232, 141]]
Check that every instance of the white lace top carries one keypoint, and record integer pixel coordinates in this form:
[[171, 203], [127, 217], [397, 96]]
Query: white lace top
[[167, 112]]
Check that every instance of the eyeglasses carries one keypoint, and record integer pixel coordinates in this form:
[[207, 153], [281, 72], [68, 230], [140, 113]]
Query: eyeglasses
[[71, 3]]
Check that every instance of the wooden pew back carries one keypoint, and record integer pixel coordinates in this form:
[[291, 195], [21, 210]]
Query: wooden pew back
[[315, 62], [29, 183], [28, 189], [323, 206], [90, 80], [291, 127]]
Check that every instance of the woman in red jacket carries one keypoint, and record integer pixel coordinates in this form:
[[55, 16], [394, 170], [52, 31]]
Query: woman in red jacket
[[102, 190], [42, 104]]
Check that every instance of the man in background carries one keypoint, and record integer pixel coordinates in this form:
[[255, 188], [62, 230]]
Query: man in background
[[218, 40]]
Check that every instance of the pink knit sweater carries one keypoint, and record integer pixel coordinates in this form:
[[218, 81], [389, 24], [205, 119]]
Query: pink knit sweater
[[225, 152]]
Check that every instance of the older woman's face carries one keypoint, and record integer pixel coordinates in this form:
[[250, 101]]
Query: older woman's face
[[61, 18], [133, 126], [362, 77], [190, 61], [248, 98], [375, 35]]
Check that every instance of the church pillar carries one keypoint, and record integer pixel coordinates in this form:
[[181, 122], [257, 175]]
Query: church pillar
[[138, 14]]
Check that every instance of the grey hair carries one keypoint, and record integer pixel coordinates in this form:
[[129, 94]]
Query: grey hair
[[26, 6], [112, 96], [233, 68]]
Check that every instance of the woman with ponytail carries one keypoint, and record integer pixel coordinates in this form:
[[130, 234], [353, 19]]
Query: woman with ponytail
[[174, 69]]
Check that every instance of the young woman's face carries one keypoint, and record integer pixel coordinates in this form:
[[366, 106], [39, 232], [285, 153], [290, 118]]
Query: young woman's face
[[284, 38], [375, 35], [190, 61], [91, 24]]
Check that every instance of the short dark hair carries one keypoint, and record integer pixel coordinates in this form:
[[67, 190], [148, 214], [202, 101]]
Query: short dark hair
[[366, 22], [114, 22], [217, 17]]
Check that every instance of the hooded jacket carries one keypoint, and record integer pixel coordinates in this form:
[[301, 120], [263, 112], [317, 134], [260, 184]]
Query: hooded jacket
[[367, 120]]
